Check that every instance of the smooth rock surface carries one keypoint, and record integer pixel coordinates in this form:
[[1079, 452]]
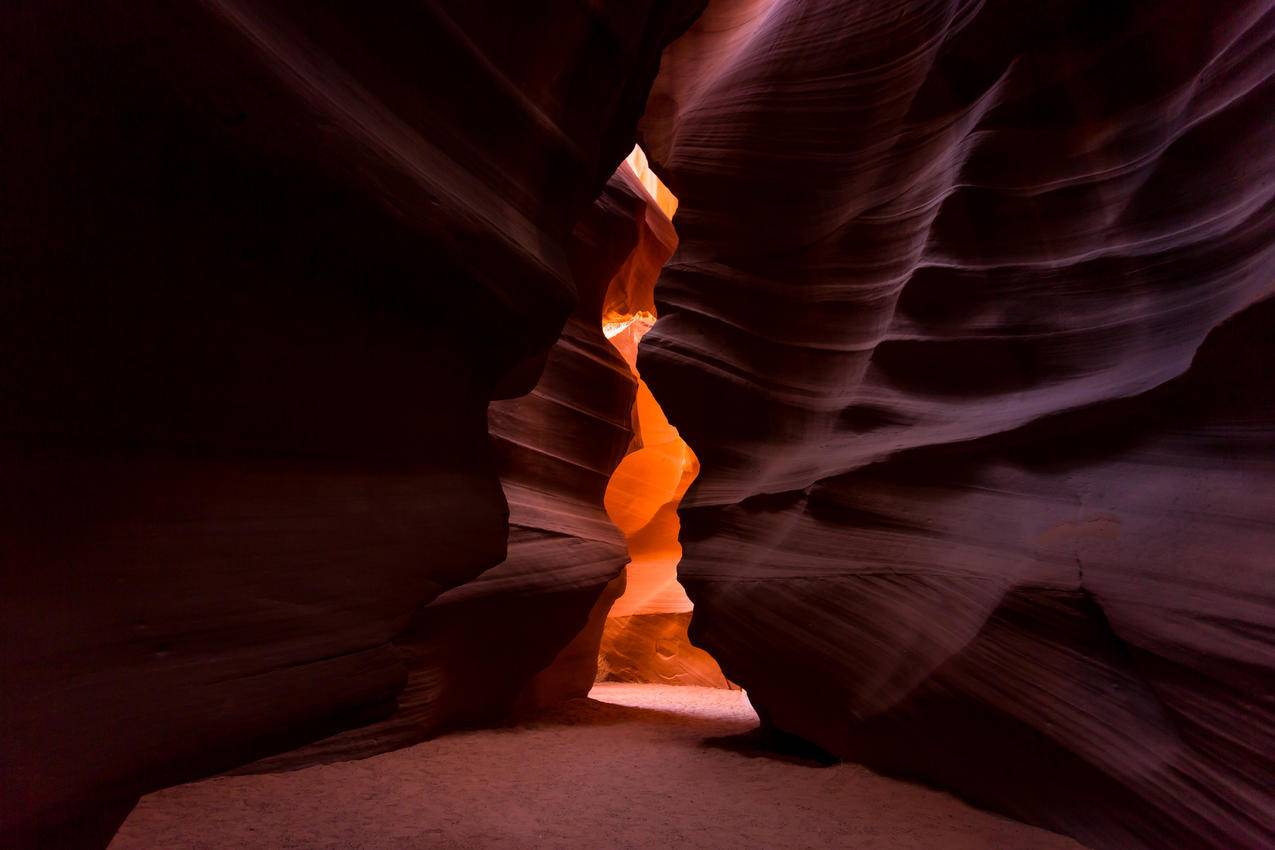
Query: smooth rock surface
[[655, 648], [968, 326], [265, 264], [527, 632]]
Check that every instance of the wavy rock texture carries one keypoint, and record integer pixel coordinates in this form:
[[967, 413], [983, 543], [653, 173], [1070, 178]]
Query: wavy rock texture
[[527, 632], [644, 636], [265, 266], [978, 501]]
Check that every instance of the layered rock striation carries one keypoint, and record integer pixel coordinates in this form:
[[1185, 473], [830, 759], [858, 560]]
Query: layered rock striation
[[969, 325], [527, 632], [265, 266]]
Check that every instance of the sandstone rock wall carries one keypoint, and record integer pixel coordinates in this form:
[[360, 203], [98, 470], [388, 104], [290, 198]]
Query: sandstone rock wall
[[527, 631], [265, 264], [967, 328]]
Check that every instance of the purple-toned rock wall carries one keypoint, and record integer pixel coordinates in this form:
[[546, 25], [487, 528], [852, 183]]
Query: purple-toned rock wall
[[969, 327]]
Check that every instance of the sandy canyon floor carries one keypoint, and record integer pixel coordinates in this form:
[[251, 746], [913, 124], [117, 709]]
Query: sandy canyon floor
[[636, 766]]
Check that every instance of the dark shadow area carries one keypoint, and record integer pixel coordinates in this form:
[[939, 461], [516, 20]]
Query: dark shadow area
[[776, 745]]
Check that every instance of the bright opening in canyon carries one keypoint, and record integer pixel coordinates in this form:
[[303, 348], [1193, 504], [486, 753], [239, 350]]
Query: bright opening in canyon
[[645, 636]]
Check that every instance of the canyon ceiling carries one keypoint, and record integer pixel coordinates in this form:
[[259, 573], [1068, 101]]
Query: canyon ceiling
[[308, 418]]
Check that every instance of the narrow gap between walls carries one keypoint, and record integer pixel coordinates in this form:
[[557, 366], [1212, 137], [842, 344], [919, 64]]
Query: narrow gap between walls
[[645, 635]]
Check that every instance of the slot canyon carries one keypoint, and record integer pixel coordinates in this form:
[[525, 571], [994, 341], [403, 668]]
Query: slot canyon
[[625, 423]]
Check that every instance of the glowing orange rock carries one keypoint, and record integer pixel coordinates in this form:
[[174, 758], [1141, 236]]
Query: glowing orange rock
[[645, 635]]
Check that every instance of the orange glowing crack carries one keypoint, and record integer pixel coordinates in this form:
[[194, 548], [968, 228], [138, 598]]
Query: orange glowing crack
[[643, 493]]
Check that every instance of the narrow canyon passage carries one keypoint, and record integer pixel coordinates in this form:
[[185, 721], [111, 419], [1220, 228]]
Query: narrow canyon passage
[[630, 423], [665, 750], [645, 636], [634, 766]]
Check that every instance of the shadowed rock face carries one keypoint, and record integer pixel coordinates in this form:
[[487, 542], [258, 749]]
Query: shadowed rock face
[[966, 328], [265, 264], [526, 632]]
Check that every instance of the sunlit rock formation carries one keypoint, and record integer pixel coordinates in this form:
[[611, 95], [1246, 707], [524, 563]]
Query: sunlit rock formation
[[265, 265], [969, 326], [965, 326], [527, 632], [645, 635]]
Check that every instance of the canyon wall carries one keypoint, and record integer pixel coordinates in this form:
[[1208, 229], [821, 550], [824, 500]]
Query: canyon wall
[[969, 326], [265, 266], [527, 632]]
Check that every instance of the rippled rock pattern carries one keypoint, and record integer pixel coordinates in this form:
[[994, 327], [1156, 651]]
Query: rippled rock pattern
[[966, 328], [653, 648], [527, 632], [265, 265]]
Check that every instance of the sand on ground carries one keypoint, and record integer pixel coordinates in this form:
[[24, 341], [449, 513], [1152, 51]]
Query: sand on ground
[[636, 766]]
